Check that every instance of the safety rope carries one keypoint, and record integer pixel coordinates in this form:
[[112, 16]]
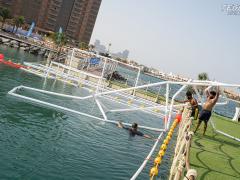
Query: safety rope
[[181, 155], [182, 149]]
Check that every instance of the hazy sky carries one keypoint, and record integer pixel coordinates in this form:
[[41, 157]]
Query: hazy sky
[[180, 36]]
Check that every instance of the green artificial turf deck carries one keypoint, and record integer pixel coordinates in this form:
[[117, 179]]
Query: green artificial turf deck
[[215, 156]]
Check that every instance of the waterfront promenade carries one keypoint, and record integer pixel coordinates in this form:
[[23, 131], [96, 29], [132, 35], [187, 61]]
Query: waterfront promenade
[[28, 42]]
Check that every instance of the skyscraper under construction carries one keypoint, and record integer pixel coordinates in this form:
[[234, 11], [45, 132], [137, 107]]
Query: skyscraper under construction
[[76, 17]]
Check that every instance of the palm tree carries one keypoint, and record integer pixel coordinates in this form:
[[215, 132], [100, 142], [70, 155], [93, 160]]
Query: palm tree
[[58, 38], [203, 76], [5, 14], [19, 21], [83, 45]]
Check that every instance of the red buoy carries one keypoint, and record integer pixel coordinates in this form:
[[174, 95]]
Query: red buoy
[[179, 117], [1, 56], [10, 63]]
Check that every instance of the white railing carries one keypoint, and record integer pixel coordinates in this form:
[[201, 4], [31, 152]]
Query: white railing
[[168, 110]]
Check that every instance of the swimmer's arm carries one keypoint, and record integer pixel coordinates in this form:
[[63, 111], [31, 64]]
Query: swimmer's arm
[[148, 136], [144, 135], [120, 125], [180, 101]]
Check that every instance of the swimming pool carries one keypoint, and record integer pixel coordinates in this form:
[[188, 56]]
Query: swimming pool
[[40, 143]]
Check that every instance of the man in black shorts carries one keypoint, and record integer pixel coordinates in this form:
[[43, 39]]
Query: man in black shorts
[[206, 112], [134, 130], [193, 102]]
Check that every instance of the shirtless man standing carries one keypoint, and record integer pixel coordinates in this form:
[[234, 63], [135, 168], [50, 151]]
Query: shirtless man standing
[[192, 101], [206, 112]]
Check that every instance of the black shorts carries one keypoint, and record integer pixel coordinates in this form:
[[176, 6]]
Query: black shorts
[[193, 112], [205, 115]]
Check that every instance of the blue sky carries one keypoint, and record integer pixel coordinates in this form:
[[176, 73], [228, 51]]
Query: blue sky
[[180, 36]]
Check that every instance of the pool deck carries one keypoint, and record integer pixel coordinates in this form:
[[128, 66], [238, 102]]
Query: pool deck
[[215, 156]]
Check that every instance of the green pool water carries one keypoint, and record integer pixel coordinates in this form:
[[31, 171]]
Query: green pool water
[[42, 143]]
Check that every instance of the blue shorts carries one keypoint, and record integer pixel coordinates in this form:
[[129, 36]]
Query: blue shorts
[[205, 115]]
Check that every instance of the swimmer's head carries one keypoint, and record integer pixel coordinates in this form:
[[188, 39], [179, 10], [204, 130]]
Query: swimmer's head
[[189, 95], [135, 126], [212, 94]]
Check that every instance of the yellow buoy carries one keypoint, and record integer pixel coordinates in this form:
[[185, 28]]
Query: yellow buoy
[[196, 113], [166, 141], [168, 138], [153, 172], [164, 147], [142, 106], [130, 101], [80, 85], [157, 160], [157, 110], [161, 153]]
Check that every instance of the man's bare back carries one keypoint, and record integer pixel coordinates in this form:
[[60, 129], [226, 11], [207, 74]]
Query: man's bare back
[[212, 98], [206, 112]]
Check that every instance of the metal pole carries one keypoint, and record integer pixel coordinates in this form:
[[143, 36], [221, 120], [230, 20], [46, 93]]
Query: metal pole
[[71, 59], [147, 87], [166, 106], [136, 83], [101, 109], [127, 79], [102, 76], [171, 106], [199, 96]]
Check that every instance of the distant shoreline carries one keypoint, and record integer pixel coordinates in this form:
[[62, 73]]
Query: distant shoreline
[[231, 95], [165, 77]]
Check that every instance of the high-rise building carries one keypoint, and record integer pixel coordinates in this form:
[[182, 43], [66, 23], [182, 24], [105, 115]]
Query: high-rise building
[[76, 17]]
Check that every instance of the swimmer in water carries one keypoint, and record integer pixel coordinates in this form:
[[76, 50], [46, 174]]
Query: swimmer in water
[[134, 130]]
